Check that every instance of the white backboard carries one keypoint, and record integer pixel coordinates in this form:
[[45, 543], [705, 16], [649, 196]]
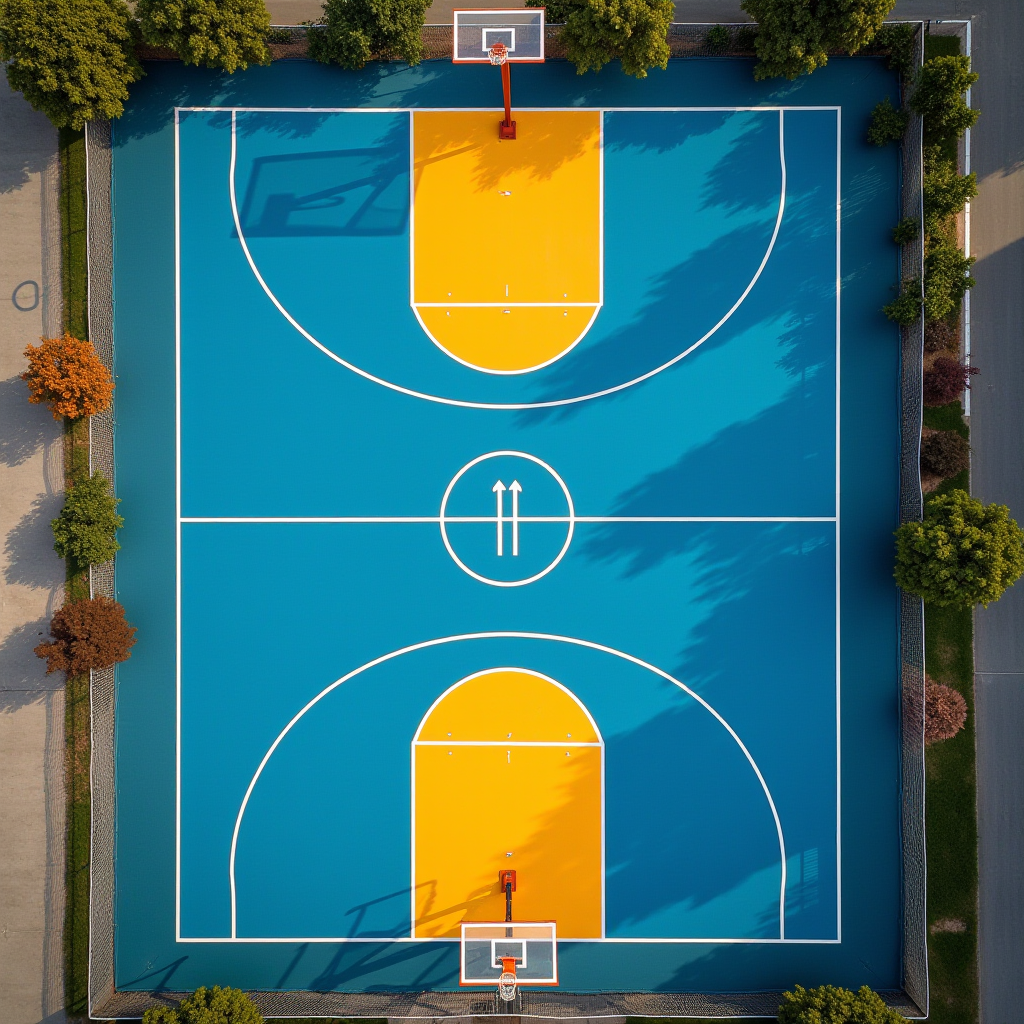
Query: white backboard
[[521, 30]]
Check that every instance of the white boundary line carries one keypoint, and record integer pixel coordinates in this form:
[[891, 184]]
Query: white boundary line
[[180, 519], [838, 498], [417, 742], [493, 635], [177, 518], [506, 405], [596, 306]]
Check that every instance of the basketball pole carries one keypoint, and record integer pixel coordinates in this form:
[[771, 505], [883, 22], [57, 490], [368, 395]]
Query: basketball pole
[[499, 55]]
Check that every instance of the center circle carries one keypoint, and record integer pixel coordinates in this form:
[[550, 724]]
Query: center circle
[[503, 530]]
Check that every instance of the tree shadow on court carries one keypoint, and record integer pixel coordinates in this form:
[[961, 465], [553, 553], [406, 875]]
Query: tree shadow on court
[[683, 304], [741, 179], [425, 968], [544, 147]]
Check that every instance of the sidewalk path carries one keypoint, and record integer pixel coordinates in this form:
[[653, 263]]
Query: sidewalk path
[[31, 579]]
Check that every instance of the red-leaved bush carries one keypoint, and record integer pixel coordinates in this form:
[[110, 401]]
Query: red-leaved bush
[[86, 635], [946, 380], [945, 711]]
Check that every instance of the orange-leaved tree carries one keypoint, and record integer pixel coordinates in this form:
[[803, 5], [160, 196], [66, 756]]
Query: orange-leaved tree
[[87, 634], [67, 375]]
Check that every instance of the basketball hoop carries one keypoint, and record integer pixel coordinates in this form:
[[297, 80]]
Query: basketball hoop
[[507, 981], [498, 53]]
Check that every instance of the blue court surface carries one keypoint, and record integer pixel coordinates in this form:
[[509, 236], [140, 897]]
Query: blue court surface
[[698, 546]]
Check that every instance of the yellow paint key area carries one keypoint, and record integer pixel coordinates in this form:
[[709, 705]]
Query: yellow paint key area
[[507, 235], [484, 803]]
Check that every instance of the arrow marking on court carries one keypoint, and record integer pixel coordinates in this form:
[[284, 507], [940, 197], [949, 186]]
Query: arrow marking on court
[[516, 488], [499, 490]]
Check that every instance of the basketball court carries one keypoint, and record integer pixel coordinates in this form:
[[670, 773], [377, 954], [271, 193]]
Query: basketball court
[[507, 532]]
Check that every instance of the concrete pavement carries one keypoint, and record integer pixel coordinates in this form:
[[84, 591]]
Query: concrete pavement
[[31, 581]]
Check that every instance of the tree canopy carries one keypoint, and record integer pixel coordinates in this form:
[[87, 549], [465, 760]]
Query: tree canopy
[[939, 96], [357, 31], [72, 59], [66, 375], [829, 1005], [795, 37], [84, 530], [225, 34], [963, 553], [596, 32], [208, 1006], [87, 634]]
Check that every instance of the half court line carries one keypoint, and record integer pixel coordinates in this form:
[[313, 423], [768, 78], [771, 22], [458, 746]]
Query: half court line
[[508, 519]]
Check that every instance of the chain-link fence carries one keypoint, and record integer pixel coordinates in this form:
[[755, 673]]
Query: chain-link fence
[[101, 577], [915, 927], [685, 40]]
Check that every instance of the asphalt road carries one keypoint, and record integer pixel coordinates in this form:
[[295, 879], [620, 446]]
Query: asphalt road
[[997, 438]]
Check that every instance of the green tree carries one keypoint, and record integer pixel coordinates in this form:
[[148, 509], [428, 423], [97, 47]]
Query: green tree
[[899, 41], [946, 277], [945, 191], [963, 553], [906, 231], [224, 34], [939, 96], [357, 31], [72, 59], [906, 308], [795, 37], [597, 32], [829, 1005], [84, 530], [208, 1006], [887, 124]]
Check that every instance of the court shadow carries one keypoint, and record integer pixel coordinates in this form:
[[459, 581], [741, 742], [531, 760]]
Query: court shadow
[[362, 192], [791, 303], [550, 144], [426, 967], [695, 856]]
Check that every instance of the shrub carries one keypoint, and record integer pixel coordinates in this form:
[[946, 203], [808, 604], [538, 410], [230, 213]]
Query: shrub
[[905, 309], [208, 1006], [84, 530], [946, 381], [899, 41], [795, 38], [745, 39], [945, 191], [887, 124], [717, 38], [946, 277], [906, 231], [942, 335], [597, 32], [945, 711], [67, 375], [87, 634], [224, 34], [963, 553], [939, 97], [829, 1005], [72, 59], [357, 31], [945, 453]]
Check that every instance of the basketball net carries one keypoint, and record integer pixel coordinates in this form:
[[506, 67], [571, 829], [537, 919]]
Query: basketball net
[[499, 53]]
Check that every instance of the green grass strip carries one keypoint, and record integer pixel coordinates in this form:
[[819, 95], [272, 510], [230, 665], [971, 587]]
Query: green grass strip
[[950, 790], [77, 734]]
